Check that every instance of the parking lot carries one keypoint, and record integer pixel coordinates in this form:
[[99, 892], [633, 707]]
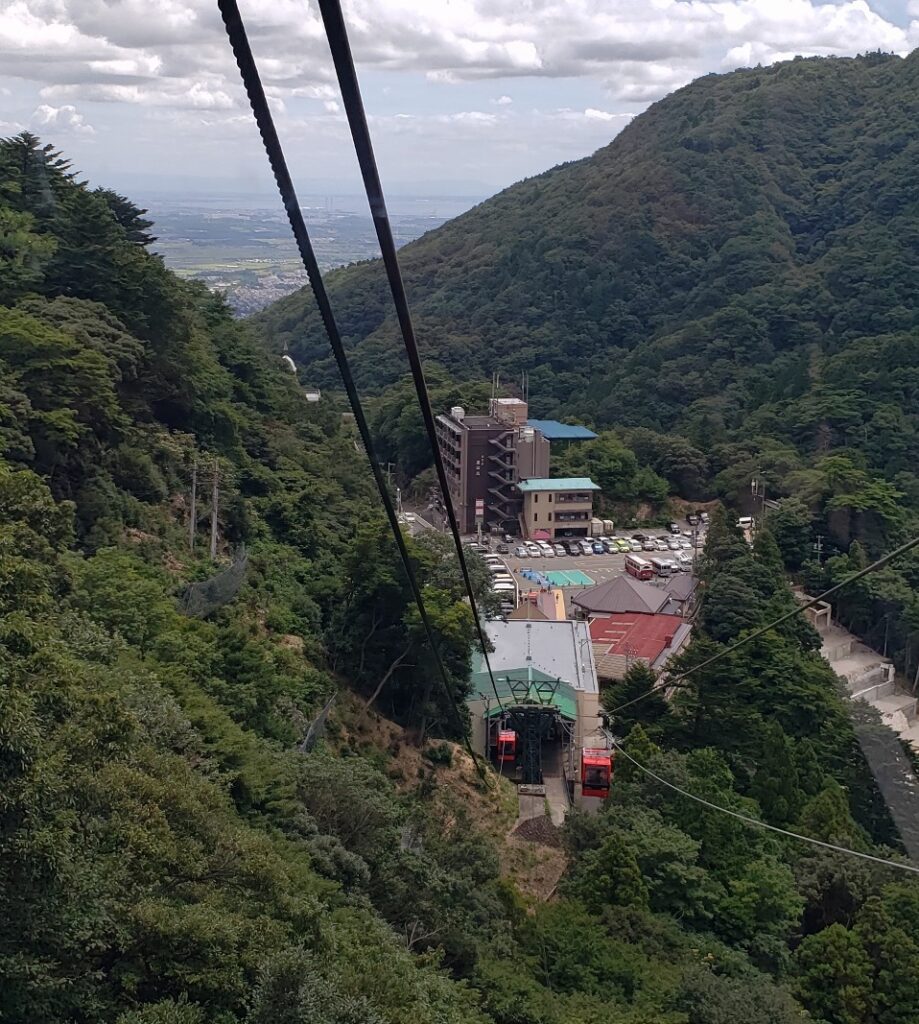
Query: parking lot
[[573, 572]]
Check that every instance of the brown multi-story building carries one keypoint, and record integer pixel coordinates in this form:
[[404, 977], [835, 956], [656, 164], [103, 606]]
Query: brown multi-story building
[[486, 457]]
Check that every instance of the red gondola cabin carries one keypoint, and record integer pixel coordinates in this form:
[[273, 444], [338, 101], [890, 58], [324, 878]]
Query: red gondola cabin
[[596, 771], [507, 746]]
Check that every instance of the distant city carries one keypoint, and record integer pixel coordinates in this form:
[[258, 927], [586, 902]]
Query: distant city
[[242, 246]]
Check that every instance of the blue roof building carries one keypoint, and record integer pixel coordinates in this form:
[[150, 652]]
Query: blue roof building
[[553, 430]]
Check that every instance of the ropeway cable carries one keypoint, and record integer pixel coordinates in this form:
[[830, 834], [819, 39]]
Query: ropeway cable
[[229, 11], [672, 681], [756, 822], [337, 35]]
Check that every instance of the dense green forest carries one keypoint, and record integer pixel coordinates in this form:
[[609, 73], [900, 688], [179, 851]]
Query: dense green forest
[[169, 854], [729, 290]]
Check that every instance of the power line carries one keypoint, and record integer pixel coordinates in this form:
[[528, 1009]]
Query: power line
[[672, 681], [337, 35], [761, 824], [239, 42]]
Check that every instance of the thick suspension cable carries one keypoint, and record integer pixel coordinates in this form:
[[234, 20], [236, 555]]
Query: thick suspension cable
[[755, 822], [672, 681], [337, 34], [239, 42]]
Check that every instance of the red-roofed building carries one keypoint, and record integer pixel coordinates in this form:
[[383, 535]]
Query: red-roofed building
[[622, 638]]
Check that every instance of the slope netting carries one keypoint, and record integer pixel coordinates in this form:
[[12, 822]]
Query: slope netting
[[203, 598]]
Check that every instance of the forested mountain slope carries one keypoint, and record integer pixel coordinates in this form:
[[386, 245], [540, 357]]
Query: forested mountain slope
[[731, 286], [695, 266]]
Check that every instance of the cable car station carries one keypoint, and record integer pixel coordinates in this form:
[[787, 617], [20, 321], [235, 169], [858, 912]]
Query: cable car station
[[540, 723]]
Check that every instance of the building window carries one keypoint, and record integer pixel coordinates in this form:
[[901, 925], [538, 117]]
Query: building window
[[535, 497], [550, 497], [550, 517], [535, 517]]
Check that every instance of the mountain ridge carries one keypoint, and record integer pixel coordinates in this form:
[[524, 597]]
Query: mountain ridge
[[732, 184]]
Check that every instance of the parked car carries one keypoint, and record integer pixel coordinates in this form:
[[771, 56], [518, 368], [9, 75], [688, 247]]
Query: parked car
[[546, 548], [660, 545], [610, 546], [508, 539], [703, 518], [673, 544], [623, 544], [692, 518], [498, 569], [685, 542], [573, 547], [684, 561], [648, 545], [635, 545], [586, 547], [599, 549], [502, 548], [533, 549], [560, 549], [520, 551], [674, 527]]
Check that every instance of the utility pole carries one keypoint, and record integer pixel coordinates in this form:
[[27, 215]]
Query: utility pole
[[215, 489], [758, 489], [193, 518], [818, 547]]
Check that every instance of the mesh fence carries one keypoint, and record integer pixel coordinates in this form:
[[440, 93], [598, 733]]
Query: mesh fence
[[202, 599]]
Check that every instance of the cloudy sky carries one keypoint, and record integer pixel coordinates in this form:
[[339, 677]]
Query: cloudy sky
[[464, 95]]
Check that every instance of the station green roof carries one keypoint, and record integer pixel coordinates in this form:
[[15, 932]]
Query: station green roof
[[561, 483], [564, 698]]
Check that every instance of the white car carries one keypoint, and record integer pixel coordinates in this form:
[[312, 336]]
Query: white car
[[497, 569], [520, 551], [493, 559], [559, 550], [546, 548], [497, 581], [685, 543], [586, 547], [635, 545], [533, 549]]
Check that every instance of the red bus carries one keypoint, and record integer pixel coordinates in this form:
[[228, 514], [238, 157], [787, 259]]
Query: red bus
[[596, 771], [640, 568]]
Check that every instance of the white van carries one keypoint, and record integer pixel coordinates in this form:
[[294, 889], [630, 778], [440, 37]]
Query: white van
[[684, 561]]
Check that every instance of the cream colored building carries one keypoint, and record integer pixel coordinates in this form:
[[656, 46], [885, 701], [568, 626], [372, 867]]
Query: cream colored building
[[557, 508]]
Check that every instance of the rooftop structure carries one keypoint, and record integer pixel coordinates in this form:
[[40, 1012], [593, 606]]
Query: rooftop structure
[[620, 594], [558, 484], [560, 649], [552, 430], [626, 637]]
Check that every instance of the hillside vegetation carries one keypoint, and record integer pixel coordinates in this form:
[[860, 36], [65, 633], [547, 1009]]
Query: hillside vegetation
[[732, 286]]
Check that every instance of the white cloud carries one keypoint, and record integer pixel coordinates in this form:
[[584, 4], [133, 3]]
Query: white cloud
[[639, 49], [65, 119], [168, 63]]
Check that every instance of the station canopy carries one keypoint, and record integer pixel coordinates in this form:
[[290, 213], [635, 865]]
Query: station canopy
[[519, 686]]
